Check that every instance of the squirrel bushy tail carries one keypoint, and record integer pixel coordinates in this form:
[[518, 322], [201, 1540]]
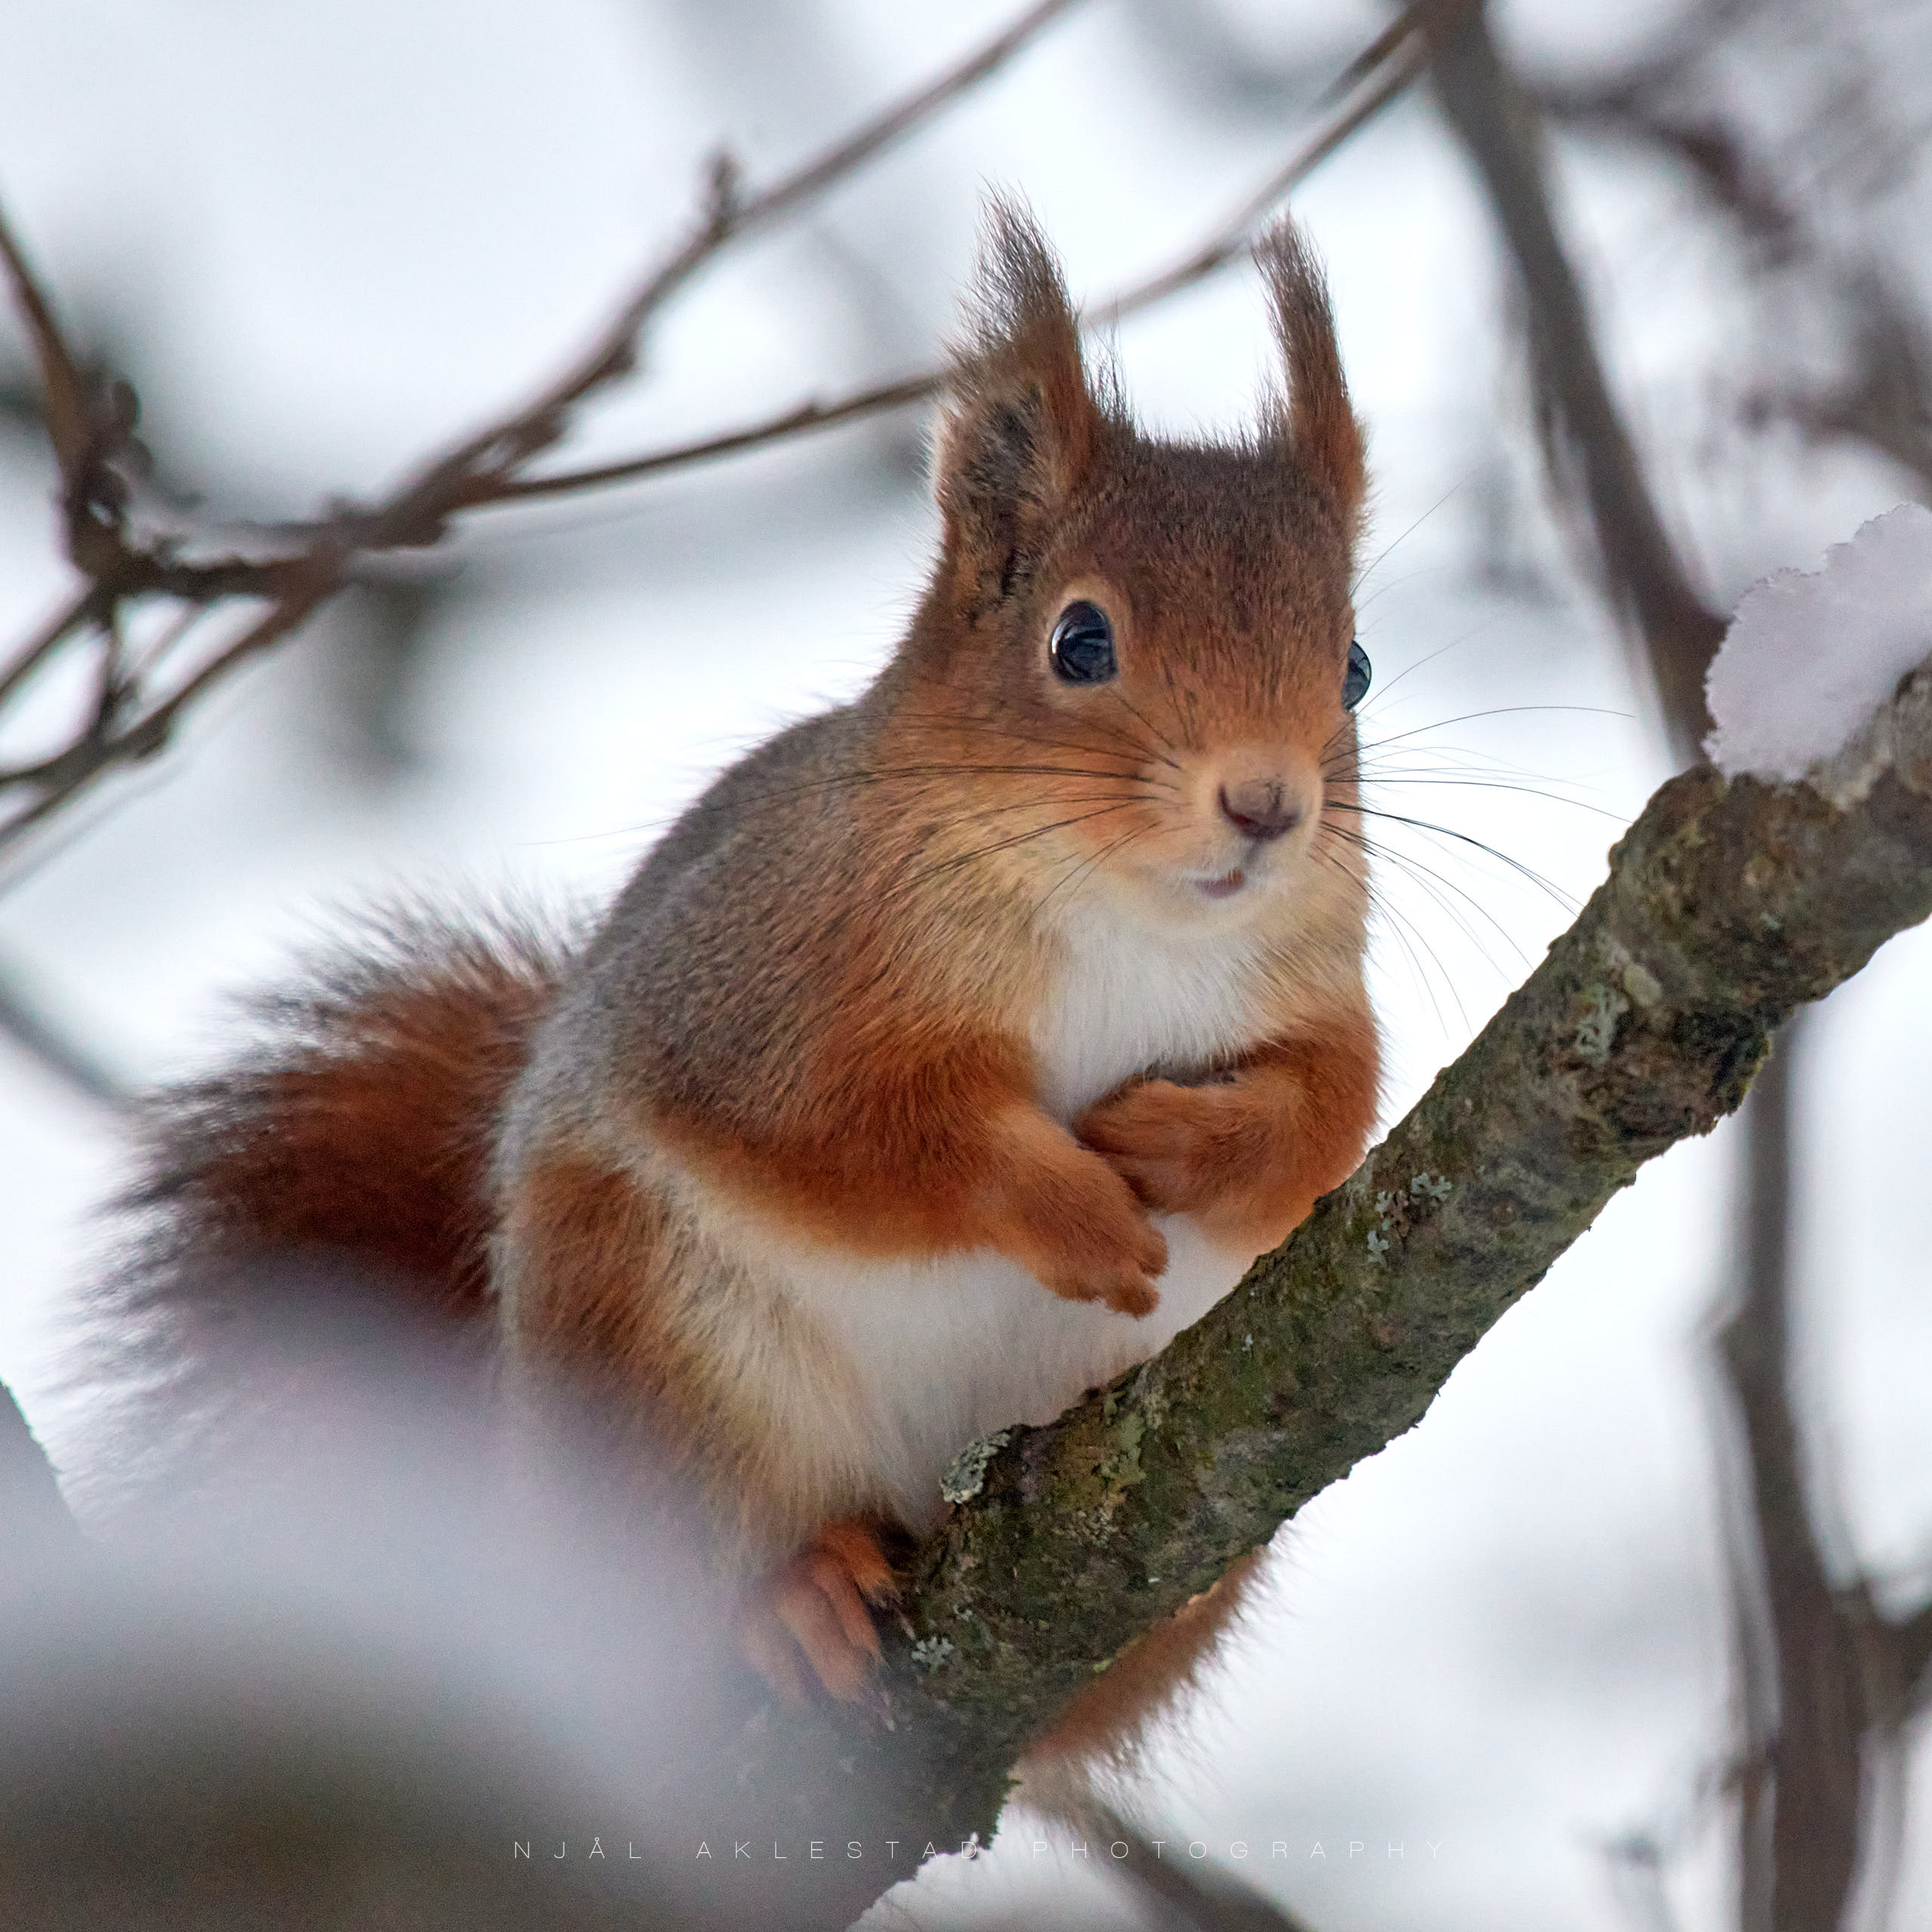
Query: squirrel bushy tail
[[357, 1129]]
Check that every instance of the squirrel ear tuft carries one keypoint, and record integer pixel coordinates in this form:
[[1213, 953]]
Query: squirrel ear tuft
[[1020, 423], [1314, 422]]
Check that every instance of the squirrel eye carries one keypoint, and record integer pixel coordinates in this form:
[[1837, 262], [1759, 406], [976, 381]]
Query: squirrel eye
[[1354, 679], [1082, 647]]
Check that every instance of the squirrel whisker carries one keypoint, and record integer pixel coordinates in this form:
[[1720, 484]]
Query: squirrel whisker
[[1085, 868], [1529, 872], [1166, 742], [1438, 887], [855, 780], [1375, 776], [1129, 748], [1007, 844], [1498, 711], [1400, 928]]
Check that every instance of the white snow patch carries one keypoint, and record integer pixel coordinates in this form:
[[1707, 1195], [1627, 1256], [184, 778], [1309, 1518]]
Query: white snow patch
[[1811, 655]]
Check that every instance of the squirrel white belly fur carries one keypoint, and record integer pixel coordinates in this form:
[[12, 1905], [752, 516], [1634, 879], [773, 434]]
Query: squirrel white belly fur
[[955, 1050]]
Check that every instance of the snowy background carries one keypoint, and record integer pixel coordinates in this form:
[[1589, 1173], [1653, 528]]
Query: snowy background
[[323, 240]]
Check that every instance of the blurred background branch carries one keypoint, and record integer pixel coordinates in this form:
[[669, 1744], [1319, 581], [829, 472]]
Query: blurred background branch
[[1642, 570], [129, 544], [1817, 1760], [297, 568]]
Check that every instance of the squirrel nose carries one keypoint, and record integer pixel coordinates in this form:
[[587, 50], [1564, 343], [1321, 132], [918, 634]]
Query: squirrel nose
[[1260, 808]]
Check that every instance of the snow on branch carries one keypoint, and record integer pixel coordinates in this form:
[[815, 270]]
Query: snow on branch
[[1799, 686]]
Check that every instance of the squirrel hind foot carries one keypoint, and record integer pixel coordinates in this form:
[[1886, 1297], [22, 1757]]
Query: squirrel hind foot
[[818, 1605]]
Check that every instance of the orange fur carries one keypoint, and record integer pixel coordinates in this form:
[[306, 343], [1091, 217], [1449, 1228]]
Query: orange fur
[[589, 1309], [362, 1127], [941, 1158], [1247, 1154], [1105, 1721]]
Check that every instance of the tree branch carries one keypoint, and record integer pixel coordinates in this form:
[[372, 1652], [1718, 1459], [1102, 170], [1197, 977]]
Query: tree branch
[[1728, 906], [1913, 1639], [1824, 1684], [65, 407], [476, 470], [414, 514], [107, 743], [1496, 125], [1188, 1897], [1810, 1857]]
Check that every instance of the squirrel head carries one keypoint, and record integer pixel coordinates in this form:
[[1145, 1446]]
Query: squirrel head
[[1137, 656]]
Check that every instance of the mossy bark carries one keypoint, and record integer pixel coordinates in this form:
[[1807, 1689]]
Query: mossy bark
[[1728, 904]]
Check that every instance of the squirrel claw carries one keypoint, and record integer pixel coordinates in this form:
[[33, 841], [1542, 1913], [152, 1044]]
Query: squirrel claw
[[817, 1603]]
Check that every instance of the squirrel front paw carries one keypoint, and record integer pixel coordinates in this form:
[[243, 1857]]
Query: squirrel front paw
[[1179, 1148], [816, 1605], [1073, 1223], [1113, 1255], [1247, 1155]]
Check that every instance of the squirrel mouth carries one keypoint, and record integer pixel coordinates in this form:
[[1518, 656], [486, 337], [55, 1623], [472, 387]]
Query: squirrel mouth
[[1225, 887]]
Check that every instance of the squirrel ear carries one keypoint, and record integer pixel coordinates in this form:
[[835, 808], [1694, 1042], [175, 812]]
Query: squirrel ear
[[1020, 424], [1314, 422]]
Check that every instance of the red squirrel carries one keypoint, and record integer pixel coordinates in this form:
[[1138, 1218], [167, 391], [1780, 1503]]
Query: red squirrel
[[956, 1048]]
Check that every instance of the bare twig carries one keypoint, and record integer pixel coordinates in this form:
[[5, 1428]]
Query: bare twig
[[299, 566], [85, 608], [1396, 66], [1913, 1638], [1184, 1897], [1886, 400], [1389, 74], [56, 781], [1637, 1861], [65, 407], [796, 422], [1709, 148], [477, 470], [414, 515]]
